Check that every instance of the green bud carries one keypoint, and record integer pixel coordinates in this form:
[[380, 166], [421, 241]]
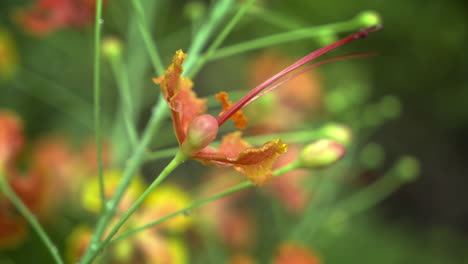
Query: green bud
[[340, 133], [194, 10], [200, 133], [321, 153], [111, 48], [372, 156], [390, 107], [408, 168], [369, 18]]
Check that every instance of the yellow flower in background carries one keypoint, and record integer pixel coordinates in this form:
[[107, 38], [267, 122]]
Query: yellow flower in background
[[90, 193], [8, 56], [167, 199], [162, 250], [77, 242]]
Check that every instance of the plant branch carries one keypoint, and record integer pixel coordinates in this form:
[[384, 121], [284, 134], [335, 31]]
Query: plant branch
[[30, 217], [237, 188], [97, 99]]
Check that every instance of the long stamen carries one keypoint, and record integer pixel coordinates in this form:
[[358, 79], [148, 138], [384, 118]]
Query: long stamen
[[318, 64], [248, 98]]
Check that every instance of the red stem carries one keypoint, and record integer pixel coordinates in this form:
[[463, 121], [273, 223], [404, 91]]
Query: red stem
[[246, 99]]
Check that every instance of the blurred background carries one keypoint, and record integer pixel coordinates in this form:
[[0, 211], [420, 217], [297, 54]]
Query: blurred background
[[419, 73]]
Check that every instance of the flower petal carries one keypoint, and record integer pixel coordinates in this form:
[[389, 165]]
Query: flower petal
[[170, 81], [184, 103], [254, 163], [238, 117]]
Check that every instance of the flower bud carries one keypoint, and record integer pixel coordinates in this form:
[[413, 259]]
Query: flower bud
[[200, 133], [111, 48], [340, 133], [407, 168], [321, 153], [195, 10], [369, 18]]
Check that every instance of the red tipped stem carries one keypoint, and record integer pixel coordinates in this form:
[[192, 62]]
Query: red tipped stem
[[318, 64], [257, 90]]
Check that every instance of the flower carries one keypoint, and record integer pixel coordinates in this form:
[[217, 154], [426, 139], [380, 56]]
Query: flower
[[90, 195], [8, 56], [168, 199], [195, 130], [46, 16], [293, 253], [11, 138]]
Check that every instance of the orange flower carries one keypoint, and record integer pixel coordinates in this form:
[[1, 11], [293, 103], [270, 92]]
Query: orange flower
[[11, 138], [196, 130], [46, 16], [293, 253]]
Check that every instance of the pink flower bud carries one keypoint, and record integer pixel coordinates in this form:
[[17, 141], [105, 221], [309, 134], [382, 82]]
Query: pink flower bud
[[200, 133], [321, 153]]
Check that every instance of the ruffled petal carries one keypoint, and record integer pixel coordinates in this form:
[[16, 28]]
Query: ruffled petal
[[170, 81], [238, 117], [255, 163], [184, 103]]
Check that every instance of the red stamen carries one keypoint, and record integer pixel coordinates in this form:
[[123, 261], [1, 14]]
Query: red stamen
[[253, 93], [292, 76]]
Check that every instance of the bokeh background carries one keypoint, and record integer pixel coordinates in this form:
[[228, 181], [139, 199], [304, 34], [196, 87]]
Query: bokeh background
[[421, 60]]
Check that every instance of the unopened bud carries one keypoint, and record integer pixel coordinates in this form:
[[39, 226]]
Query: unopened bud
[[195, 10], [407, 168], [321, 153], [200, 133], [111, 48], [369, 18], [390, 107], [340, 133]]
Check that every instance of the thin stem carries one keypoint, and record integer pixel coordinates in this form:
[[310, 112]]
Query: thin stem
[[303, 136], [30, 217], [237, 188], [121, 75], [159, 113], [218, 13], [149, 43], [309, 32], [97, 99], [371, 195], [176, 161], [274, 18], [220, 38]]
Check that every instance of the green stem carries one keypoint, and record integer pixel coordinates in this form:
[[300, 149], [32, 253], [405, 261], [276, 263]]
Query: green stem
[[159, 113], [220, 38], [97, 99], [16, 201], [310, 32], [304, 136], [218, 13], [149, 43], [371, 195], [176, 161], [274, 18], [237, 188], [120, 74]]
